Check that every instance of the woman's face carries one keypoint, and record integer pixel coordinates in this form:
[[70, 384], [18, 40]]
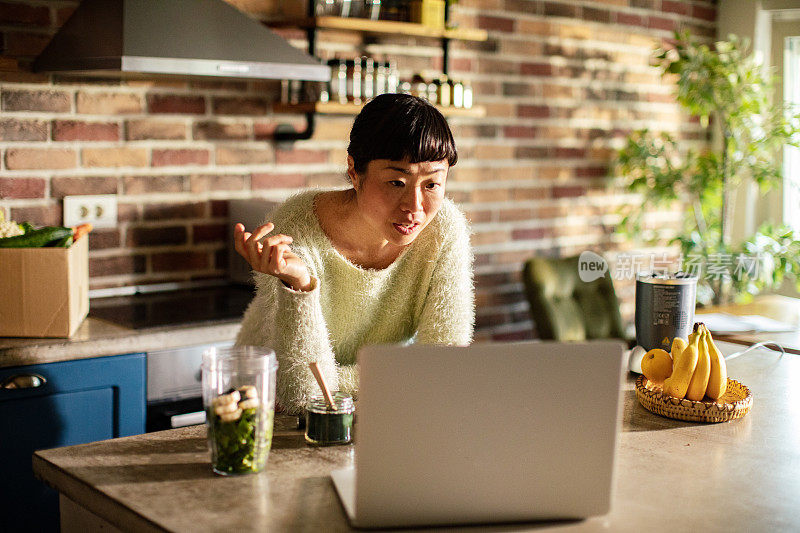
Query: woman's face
[[397, 199]]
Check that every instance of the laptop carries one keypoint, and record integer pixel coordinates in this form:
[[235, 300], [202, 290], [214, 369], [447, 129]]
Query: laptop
[[486, 433]]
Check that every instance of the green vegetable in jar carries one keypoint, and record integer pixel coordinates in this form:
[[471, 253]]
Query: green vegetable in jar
[[240, 439]]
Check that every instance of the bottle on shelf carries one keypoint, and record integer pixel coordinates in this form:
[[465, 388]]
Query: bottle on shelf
[[368, 78], [354, 81], [467, 95], [445, 91], [458, 94], [380, 78], [392, 78], [338, 80]]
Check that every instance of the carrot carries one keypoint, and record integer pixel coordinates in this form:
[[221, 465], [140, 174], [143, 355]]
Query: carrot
[[80, 230]]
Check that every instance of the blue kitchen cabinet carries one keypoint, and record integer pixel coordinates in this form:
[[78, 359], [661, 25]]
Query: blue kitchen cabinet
[[60, 404]]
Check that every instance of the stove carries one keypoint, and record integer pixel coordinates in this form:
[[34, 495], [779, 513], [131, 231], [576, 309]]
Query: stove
[[174, 308]]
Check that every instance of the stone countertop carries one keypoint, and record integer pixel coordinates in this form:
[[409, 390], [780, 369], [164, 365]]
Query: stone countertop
[[97, 337], [670, 475]]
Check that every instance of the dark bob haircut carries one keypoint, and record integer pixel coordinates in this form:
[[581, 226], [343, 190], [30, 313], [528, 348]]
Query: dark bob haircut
[[397, 127]]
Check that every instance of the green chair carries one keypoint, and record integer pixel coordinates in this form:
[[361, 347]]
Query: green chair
[[564, 307]]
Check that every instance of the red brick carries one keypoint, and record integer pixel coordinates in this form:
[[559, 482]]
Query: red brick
[[108, 103], [220, 131], [221, 259], [104, 238], [74, 130], [146, 129], [533, 111], [21, 187], [672, 6], [128, 212], [496, 23], [277, 181], [661, 23], [528, 234], [40, 158], [565, 191], [114, 157], [518, 132], [14, 129], [704, 12], [159, 236], [569, 153], [265, 130], [461, 64], [179, 261], [198, 184], [41, 215], [591, 172], [536, 69], [31, 100], [168, 211], [244, 156], [630, 19], [219, 208], [22, 44], [170, 103], [165, 158], [60, 187], [553, 9], [209, 233], [300, 155], [596, 15], [530, 152], [117, 265], [24, 15], [153, 184], [240, 106]]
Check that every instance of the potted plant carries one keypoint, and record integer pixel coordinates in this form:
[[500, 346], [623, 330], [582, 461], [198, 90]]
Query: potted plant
[[727, 89]]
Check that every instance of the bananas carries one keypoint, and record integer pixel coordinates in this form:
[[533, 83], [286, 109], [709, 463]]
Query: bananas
[[683, 367], [699, 381], [678, 345], [698, 368], [718, 377]]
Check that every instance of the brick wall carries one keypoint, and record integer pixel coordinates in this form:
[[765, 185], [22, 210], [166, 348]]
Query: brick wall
[[563, 82]]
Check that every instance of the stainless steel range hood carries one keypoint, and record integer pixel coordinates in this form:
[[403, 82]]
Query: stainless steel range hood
[[136, 38]]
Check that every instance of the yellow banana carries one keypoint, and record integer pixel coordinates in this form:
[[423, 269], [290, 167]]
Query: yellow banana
[[699, 381], [718, 378], [683, 368], [678, 345]]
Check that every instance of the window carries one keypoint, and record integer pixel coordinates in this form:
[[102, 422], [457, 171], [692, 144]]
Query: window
[[791, 155]]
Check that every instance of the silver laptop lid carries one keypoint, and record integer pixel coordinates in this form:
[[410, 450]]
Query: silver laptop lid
[[486, 433]]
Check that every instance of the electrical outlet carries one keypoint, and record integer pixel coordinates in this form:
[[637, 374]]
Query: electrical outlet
[[99, 210]]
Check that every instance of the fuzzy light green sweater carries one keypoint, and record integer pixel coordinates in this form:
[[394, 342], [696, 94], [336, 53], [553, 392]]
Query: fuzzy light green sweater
[[426, 295]]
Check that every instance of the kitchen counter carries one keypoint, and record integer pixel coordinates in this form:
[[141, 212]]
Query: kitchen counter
[[97, 337], [671, 475], [140, 322]]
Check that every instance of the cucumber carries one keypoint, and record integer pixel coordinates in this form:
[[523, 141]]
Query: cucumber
[[64, 242], [36, 238]]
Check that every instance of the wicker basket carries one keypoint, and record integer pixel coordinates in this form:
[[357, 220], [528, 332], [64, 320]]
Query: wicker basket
[[735, 403]]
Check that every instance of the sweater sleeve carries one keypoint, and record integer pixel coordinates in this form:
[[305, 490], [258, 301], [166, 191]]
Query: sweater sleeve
[[448, 314], [291, 322]]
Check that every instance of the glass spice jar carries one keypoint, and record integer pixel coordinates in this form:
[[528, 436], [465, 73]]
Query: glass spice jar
[[326, 426]]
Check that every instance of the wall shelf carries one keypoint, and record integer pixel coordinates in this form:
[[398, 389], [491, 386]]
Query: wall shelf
[[384, 27], [333, 108]]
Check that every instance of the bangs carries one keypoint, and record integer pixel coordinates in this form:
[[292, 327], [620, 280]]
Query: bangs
[[399, 127]]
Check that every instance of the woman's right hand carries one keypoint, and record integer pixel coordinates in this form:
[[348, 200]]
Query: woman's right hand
[[274, 256]]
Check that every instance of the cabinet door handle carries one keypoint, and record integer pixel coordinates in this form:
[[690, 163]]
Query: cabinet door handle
[[23, 381]]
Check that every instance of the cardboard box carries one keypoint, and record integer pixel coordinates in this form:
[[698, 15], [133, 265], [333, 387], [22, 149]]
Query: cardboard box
[[44, 292]]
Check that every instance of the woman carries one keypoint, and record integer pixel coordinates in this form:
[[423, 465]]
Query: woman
[[386, 261]]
